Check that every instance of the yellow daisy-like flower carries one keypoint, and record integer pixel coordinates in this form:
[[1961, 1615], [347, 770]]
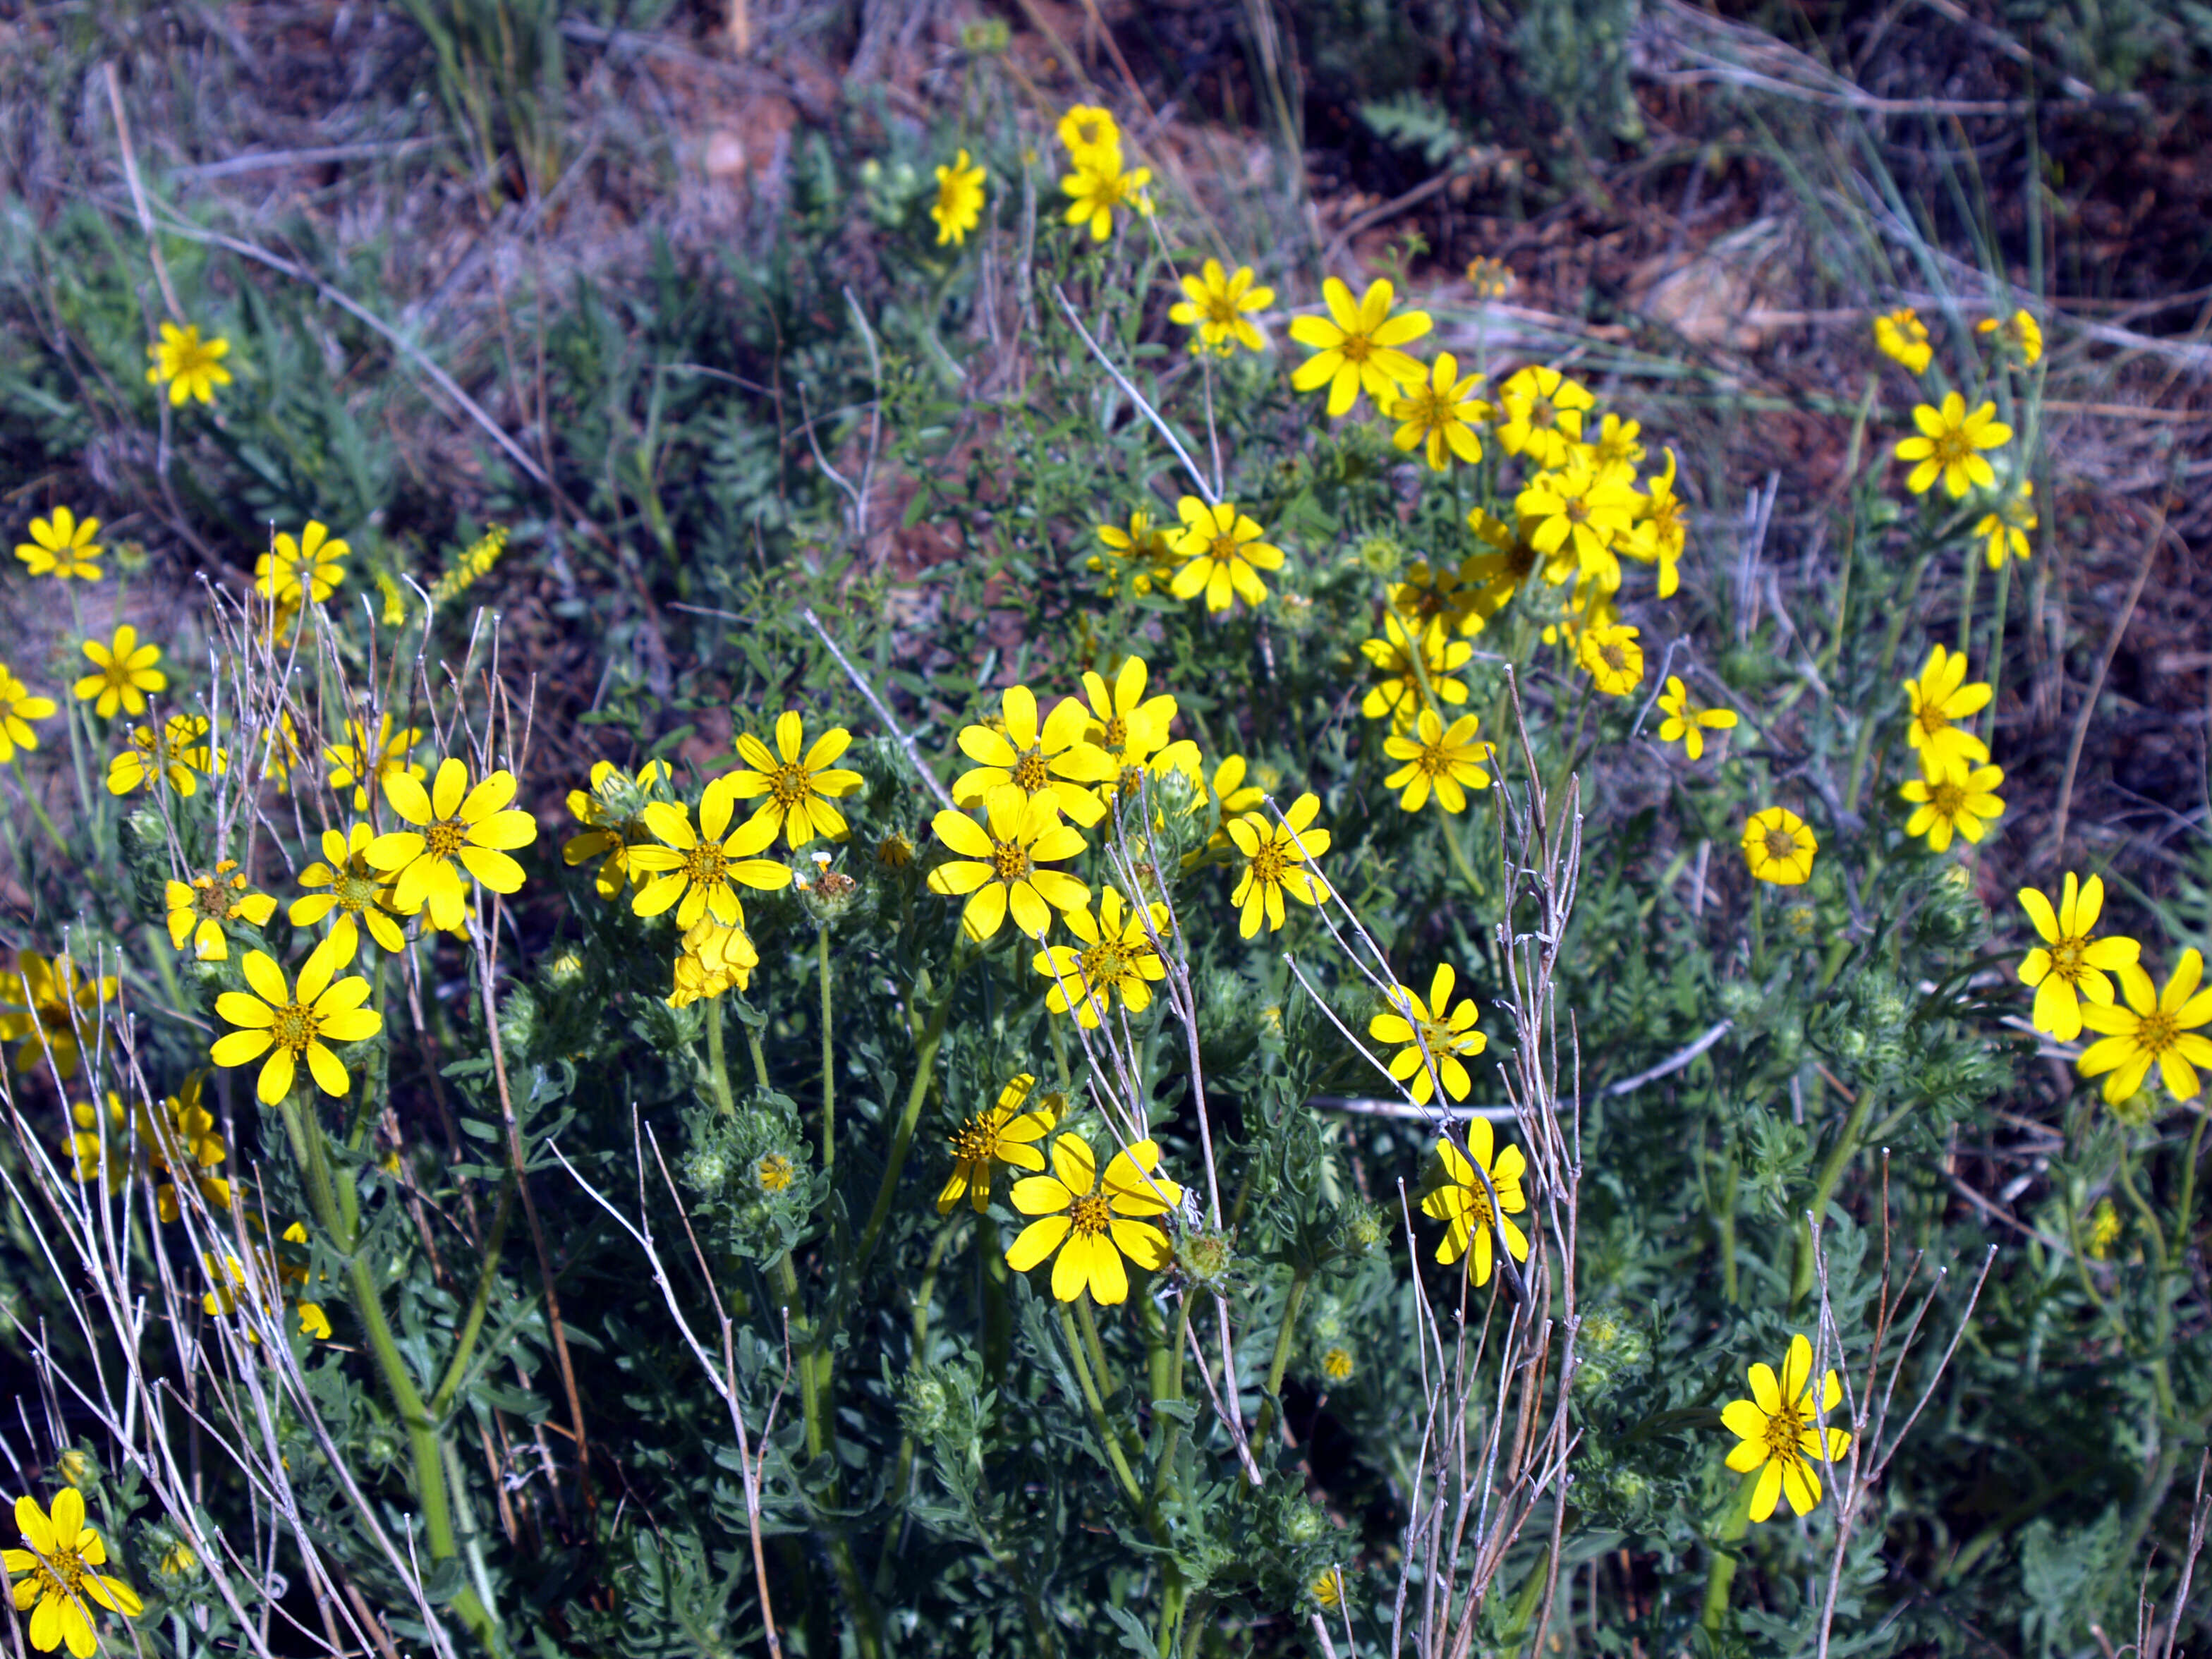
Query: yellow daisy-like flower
[[1957, 799], [959, 204], [1222, 555], [1446, 1031], [1445, 759], [1902, 337], [1093, 1226], [1509, 560], [126, 674], [191, 366], [48, 1003], [1940, 696], [799, 783], [1777, 1432], [308, 567], [1001, 1134], [1574, 512], [2018, 332], [197, 910], [63, 547], [1458, 1199], [284, 1278], [1398, 692], [714, 959], [2152, 1028], [1130, 730], [1100, 186], [704, 868], [612, 812], [1615, 450], [177, 752], [996, 863], [18, 708], [1336, 1364], [1275, 863], [1055, 760], [272, 1021], [2104, 1231], [59, 1557], [2004, 528], [1437, 414], [1115, 954], [1688, 720], [1356, 347], [1433, 593], [1230, 797], [1087, 126], [1217, 303], [1949, 445], [1778, 847], [1542, 412], [1326, 1587], [1141, 557], [178, 1142], [2071, 964], [366, 766], [355, 890], [1490, 277], [456, 829], [1609, 653], [1661, 529]]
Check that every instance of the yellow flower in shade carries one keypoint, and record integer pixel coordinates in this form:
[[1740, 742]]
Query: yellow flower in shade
[[1940, 696], [286, 1027], [1093, 1224], [366, 766], [1336, 1364], [179, 1141], [799, 783], [714, 959], [1216, 304], [1687, 721], [1777, 1432], [1778, 847], [63, 547], [1100, 186], [1445, 759], [1116, 953], [1542, 413], [1398, 692], [612, 812], [197, 910], [2104, 1231], [278, 1278], [1053, 760], [1458, 1199], [1949, 445], [1436, 593], [1574, 512], [996, 863], [1005, 1133], [352, 889], [2151, 1028], [59, 1556], [959, 204], [1613, 658], [126, 674], [1661, 530], [48, 1004], [18, 708], [176, 753], [1141, 558], [306, 567], [1957, 799], [1326, 1587], [704, 868], [1275, 863], [1492, 277], [1614, 453], [2018, 332], [1444, 1031], [2004, 528], [1087, 126], [1902, 337], [1356, 347], [190, 366], [1222, 555], [1130, 730], [1232, 797], [1437, 414], [456, 829], [1508, 560], [2071, 962]]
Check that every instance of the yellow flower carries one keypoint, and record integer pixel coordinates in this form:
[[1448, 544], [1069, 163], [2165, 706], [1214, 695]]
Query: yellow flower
[[774, 1173], [272, 1021], [1232, 797], [1687, 721], [1902, 337], [714, 959], [1100, 184], [177, 752], [1130, 730], [354, 888], [1438, 413], [1216, 304], [959, 202], [1778, 1433], [1492, 277], [1275, 860], [996, 863], [1000, 1133], [1950, 444], [1937, 698], [51, 1003], [1143, 555], [1543, 415], [2071, 964], [191, 366], [1326, 1587], [1661, 530], [179, 1141], [2004, 528], [2155, 1028], [474, 562], [1459, 1200], [126, 674], [18, 708], [1613, 658], [60, 1558], [1445, 1037], [2104, 1231], [2018, 332], [1054, 761], [700, 866], [1510, 559], [1614, 452], [1436, 593], [1223, 554], [1398, 693], [305, 567], [1116, 954], [1356, 347], [1087, 126], [198, 908], [1094, 1229], [1956, 799], [799, 787], [612, 813], [1574, 512], [277, 1278], [365, 767], [1778, 847], [1446, 759], [451, 822], [1336, 1364], [62, 547]]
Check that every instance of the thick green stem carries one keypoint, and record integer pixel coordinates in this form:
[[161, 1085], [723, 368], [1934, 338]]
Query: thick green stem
[[718, 1068], [1720, 1576], [829, 1073], [783, 1279], [1280, 1362], [1108, 1440], [925, 1070], [1832, 1172], [1449, 832]]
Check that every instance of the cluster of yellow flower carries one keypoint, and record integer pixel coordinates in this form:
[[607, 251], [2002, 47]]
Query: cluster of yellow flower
[[1951, 439]]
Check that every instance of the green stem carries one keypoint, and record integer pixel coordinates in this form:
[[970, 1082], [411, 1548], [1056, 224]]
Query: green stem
[[2161, 1374], [1720, 1576], [925, 1069], [1171, 1442], [1832, 1172], [472, 1326], [760, 1058], [829, 1073], [718, 1069], [1449, 832], [784, 1282], [1280, 1362], [1107, 1439]]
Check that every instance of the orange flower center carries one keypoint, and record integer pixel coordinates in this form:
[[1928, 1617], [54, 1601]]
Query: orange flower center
[[976, 1140], [1269, 863], [1952, 448], [1948, 799], [1356, 348], [2157, 1032], [446, 837], [1221, 547], [706, 864], [1090, 1214], [1117, 734], [355, 890], [1010, 861], [1781, 1435], [1543, 413], [790, 784], [295, 1028], [1220, 307], [1030, 774], [1104, 963], [2066, 959]]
